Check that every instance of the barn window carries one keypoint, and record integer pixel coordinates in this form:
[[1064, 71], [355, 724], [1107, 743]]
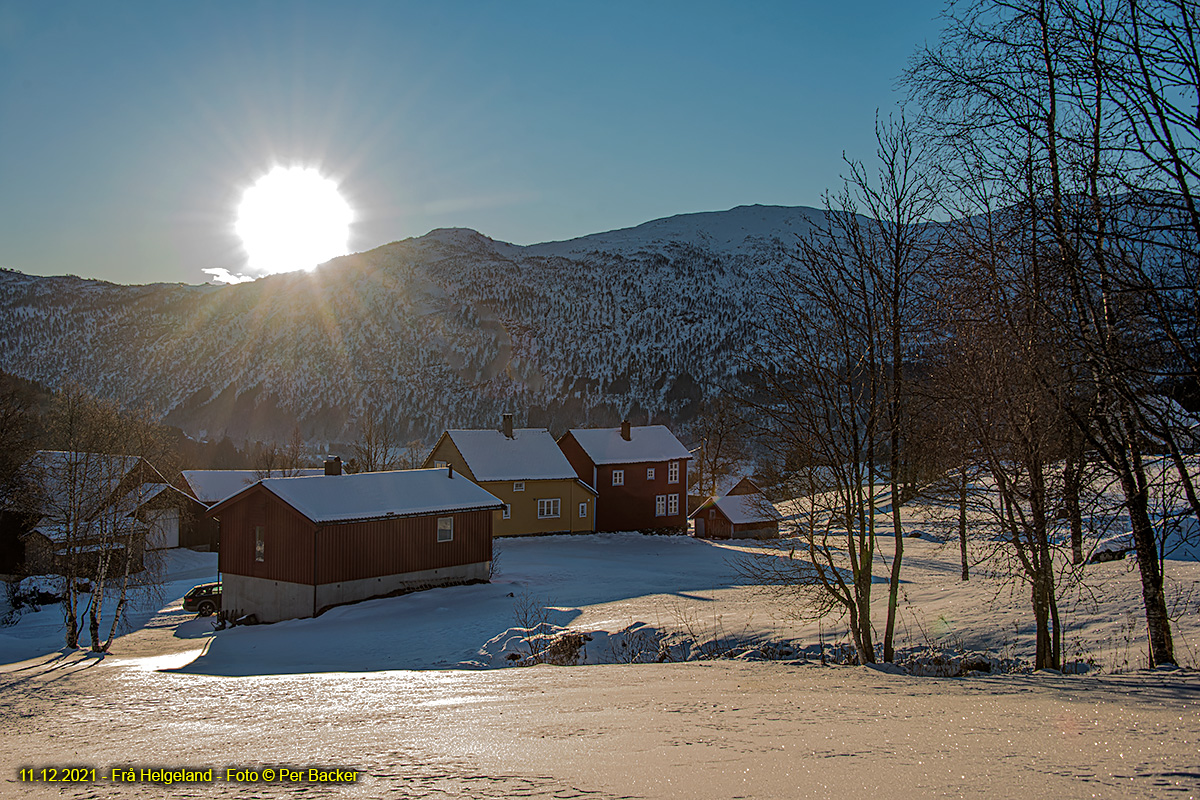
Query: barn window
[[618, 477], [660, 506], [445, 529], [260, 546], [506, 512], [582, 510], [518, 486], [672, 505], [549, 508], [673, 472], [650, 474]]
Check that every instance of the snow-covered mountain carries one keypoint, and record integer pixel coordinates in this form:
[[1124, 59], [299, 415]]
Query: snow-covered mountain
[[446, 330]]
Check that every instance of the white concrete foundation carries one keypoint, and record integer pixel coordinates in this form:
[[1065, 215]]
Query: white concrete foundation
[[272, 601]]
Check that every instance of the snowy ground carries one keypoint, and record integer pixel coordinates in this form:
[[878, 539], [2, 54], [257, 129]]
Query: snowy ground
[[398, 688]]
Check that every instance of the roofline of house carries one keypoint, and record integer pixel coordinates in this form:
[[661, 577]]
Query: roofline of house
[[212, 511], [405, 515]]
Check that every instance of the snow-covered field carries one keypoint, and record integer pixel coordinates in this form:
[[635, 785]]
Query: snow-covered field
[[401, 689]]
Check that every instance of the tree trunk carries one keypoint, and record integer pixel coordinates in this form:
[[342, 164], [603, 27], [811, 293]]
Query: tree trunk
[[1072, 476], [962, 525], [889, 653], [1041, 617], [1158, 623]]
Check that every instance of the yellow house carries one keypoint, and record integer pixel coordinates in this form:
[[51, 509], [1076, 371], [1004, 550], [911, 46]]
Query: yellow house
[[528, 473]]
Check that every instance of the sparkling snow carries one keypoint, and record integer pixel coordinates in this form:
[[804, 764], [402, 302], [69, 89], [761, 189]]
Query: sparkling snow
[[393, 688]]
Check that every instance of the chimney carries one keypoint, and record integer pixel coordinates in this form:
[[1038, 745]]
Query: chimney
[[625, 430], [449, 470], [506, 425], [333, 465]]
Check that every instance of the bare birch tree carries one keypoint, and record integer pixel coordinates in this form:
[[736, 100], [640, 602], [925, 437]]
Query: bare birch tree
[[843, 328], [1025, 98]]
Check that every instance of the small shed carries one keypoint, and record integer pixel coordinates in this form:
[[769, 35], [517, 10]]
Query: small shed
[[293, 547], [742, 513]]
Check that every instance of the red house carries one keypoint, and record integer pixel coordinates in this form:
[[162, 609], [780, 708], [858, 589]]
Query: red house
[[293, 547], [639, 473]]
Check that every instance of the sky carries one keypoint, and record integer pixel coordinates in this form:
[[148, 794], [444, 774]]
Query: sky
[[130, 131]]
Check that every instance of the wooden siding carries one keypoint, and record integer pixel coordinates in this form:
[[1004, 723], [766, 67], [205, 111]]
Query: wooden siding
[[770, 527], [523, 519], [631, 506], [287, 537], [628, 507], [445, 450], [392, 546], [343, 552], [716, 525], [578, 459]]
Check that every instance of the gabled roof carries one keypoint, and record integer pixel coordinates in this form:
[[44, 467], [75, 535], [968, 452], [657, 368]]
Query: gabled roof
[[741, 509], [375, 495], [646, 443], [531, 455], [98, 474], [214, 485]]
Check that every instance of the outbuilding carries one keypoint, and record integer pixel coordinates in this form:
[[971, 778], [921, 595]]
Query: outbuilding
[[293, 547], [743, 513]]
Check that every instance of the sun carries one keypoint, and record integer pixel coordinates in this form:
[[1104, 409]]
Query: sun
[[293, 218]]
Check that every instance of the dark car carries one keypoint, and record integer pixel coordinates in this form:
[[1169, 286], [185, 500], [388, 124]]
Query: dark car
[[204, 599]]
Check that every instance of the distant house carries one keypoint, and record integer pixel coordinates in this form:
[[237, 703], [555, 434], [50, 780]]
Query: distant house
[[170, 516], [84, 505], [292, 547], [639, 473], [743, 512], [526, 470], [200, 531]]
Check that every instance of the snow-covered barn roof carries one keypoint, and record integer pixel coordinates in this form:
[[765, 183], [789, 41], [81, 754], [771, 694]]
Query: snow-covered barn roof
[[645, 443], [99, 474], [530, 455], [741, 509], [377, 495], [214, 485]]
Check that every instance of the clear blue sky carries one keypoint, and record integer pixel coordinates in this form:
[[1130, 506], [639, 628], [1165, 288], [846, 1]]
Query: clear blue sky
[[128, 131]]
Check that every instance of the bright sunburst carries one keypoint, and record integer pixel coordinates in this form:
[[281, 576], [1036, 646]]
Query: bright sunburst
[[293, 218]]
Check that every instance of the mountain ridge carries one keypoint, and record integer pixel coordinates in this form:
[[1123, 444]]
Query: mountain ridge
[[449, 329]]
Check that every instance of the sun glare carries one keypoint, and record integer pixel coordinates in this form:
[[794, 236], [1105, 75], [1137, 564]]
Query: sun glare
[[293, 218]]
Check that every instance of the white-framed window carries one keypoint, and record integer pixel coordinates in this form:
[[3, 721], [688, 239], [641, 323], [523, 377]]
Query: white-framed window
[[673, 472], [549, 508], [445, 529], [260, 544], [660, 505], [650, 474], [518, 486], [618, 477], [583, 510], [506, 512], [440, 464], [672, 505]]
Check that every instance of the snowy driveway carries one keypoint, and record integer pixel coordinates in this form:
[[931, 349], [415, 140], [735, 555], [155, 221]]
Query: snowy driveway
[[706, 730]]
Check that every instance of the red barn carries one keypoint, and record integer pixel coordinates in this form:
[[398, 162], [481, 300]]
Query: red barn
[[743, 512], [639, 474], [292, 547]]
